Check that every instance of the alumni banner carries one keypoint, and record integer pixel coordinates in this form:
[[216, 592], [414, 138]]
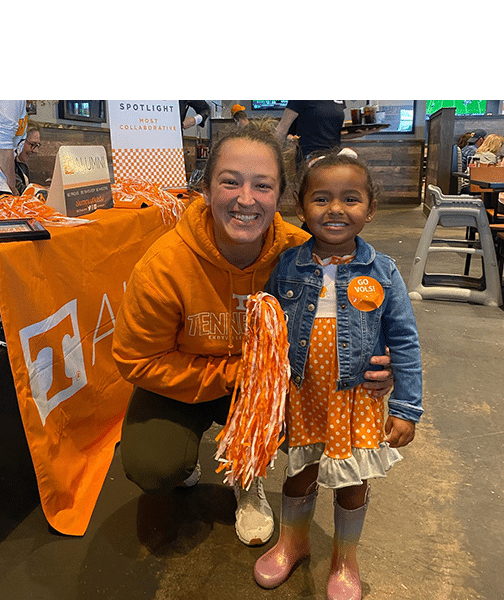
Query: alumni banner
[[58, 302], [81, 181], [146, 141]]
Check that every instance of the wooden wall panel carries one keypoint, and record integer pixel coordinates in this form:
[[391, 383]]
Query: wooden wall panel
[[439, 153], [397, 165]]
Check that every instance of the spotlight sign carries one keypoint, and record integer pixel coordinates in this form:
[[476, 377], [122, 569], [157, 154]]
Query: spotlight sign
[[146, 138]]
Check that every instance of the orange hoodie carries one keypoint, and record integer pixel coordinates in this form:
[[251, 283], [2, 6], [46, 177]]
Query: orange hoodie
[[179, 329]]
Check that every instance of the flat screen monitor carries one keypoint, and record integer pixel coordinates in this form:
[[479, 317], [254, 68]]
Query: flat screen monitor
[[82, 110], [462, 107], [269, 104]]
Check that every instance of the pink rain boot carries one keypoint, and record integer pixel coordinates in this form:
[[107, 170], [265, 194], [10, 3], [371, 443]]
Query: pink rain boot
[[344, 580], [293, 545]]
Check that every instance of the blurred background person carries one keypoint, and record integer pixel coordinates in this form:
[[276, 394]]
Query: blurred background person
[[200, 107], [489, 150], [315, 125], [470, 149], [318, 124], [463, 139], [239, 115], [13, 123], [25, 152]]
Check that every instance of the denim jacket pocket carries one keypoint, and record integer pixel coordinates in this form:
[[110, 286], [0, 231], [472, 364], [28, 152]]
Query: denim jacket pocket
[[289, 291]]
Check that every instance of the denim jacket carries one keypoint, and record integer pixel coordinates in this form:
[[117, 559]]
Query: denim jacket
[[297, 281]]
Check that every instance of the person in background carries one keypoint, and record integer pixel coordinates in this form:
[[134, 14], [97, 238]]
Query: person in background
[[178, 333], [13, 123], [463, 139], [467, 153], [314, 125], [27, 150], [473, 143], [457, 154], [239, 115], [343, 302], [200, 107], [489, 150], [317, 124]]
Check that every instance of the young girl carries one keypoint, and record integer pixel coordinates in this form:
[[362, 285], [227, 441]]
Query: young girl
[[343, 302]]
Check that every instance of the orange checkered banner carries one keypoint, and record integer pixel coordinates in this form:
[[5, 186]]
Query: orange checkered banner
[[58, 302], [146, 140]]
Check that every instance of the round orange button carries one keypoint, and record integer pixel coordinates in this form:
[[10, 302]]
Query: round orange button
[[365, 293]]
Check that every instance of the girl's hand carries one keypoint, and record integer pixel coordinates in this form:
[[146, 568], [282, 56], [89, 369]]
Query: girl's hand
[[399, 432]]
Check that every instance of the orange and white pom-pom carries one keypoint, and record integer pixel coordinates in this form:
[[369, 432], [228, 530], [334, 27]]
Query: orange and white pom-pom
[[30, 206], [255, 427], [138, 190]]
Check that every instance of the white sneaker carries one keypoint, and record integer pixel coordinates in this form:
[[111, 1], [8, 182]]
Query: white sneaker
[[194, 477], [254, 517]]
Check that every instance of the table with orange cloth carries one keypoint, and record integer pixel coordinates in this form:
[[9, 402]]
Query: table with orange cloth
[[489, 180], [58, 301]]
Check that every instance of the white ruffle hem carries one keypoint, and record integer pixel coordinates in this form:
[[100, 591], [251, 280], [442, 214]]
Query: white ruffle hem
[[337, 473]]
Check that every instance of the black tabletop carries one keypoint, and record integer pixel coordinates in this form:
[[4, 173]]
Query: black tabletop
[[492, 185]]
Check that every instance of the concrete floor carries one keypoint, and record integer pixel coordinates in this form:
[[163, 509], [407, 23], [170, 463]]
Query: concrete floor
[[435, 527]]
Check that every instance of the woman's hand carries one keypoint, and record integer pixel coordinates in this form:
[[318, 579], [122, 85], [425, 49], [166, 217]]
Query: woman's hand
[[381, 381], [399, 432]]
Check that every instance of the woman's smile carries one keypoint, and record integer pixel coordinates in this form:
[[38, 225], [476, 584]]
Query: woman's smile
[[244, 218]]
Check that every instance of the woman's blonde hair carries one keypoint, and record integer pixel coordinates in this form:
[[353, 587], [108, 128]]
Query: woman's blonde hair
[[492, 143]]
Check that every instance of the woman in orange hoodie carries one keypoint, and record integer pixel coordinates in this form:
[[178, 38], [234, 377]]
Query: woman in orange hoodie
[[179, 330]]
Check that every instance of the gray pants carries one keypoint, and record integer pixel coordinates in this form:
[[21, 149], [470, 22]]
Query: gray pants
[[161, 437]]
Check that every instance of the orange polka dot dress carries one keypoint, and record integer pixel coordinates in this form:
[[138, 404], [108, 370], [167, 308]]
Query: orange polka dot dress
[[342, 431]]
